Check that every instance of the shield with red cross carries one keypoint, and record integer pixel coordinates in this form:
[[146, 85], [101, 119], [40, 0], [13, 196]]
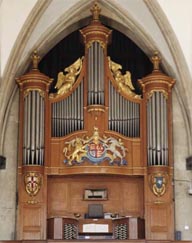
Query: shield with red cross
[[32, 183]]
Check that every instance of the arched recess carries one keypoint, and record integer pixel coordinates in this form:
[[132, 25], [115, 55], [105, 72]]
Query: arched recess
[[73, 19]]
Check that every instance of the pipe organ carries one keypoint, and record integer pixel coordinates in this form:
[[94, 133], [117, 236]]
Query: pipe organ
[[124, 115], [67, 114], [95, 71], [157, 129], [33, 137], [95, 126]]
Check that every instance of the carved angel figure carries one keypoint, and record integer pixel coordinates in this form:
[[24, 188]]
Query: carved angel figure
[[124, 82], [114, 66], [65, 81]]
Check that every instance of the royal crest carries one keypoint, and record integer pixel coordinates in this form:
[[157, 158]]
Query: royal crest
[[158, 182], [95, 149], [32, 183]]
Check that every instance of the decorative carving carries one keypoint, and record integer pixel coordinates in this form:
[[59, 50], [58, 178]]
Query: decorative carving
[[41, 92], [123, 82], [156, 61], [101, 43], [77, 146], [95, 10], [65, 81], [158, 183], [165, 94], [35, 60], [96, 110], [32, 183], [95, 149]]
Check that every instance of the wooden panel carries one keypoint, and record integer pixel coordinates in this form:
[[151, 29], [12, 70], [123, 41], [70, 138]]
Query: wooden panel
[[136, 228], [133, 198], [133, 157], [55, 228], [159, 222], [137, 154], [23, 195], [149, 195], [32, 222], [65, 195], [55, 153], [57, 197]]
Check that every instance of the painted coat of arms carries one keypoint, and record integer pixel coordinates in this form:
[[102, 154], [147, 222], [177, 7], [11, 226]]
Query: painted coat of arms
[[32, 183], [95, 149], [158, 182]]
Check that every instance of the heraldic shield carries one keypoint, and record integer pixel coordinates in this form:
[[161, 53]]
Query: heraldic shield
[[158, 183], [32, 183]]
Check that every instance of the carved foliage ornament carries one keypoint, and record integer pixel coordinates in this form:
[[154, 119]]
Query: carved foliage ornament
[[41, 92], [150, 94], [32, 182], [158, 183], [95, 149]]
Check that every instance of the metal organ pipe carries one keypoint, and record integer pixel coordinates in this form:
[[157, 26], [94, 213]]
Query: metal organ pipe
[[124, 115], [37, 132], [95, 74], [110, 111], [149, 133], [81, 107], [67, 114], [42, 130], [33, 127], [28, 128], [165, 131], [157, 129], [137, 119], [25, 137], [154, 130], [33, 137]]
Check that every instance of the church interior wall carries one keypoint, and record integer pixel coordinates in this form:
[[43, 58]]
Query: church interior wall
[[8, 178]]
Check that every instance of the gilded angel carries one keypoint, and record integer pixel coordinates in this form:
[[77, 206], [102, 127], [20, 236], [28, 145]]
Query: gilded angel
[[65, 81], [123, 82], [114, 66]]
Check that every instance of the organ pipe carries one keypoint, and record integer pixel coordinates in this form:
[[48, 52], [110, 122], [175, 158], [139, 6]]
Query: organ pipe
[[34, 88], [157, 89], [37, 122], [67, 114], [33, 135], [157, 129], [42, 131], [95, 74], [124, 115]]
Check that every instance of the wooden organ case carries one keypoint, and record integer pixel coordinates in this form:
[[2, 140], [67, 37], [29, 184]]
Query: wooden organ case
[[95, 133]]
